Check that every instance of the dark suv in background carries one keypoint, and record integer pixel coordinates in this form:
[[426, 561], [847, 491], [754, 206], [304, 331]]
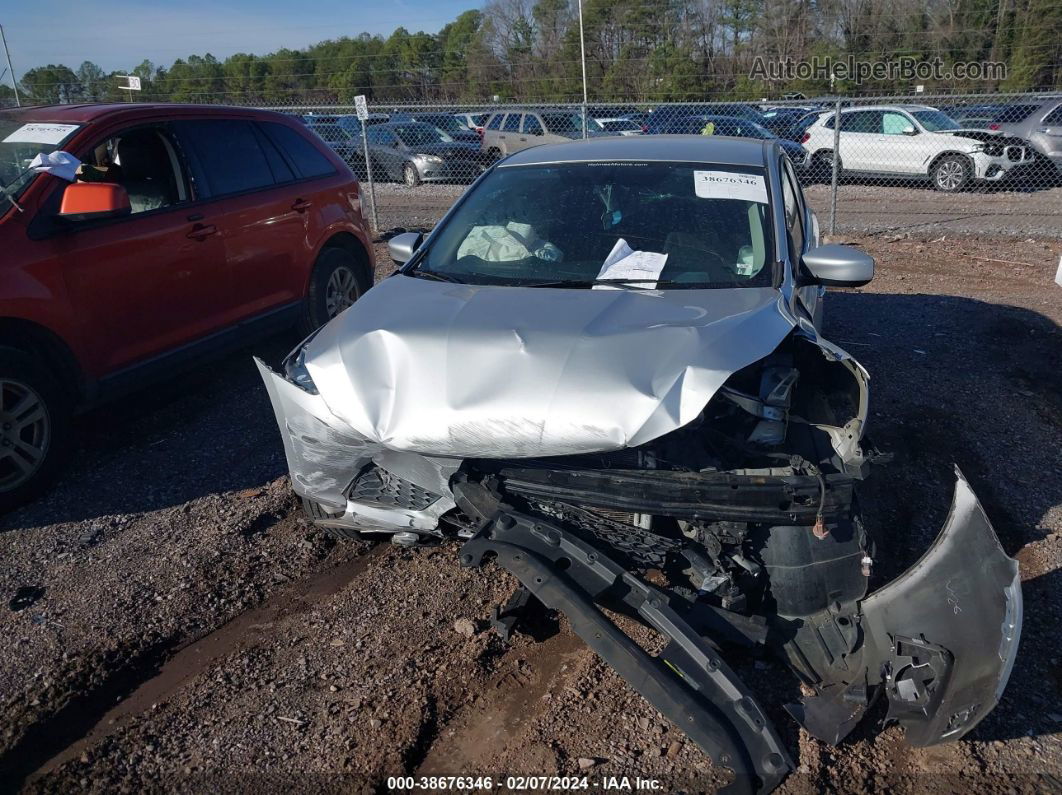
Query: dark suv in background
[[188, 231]]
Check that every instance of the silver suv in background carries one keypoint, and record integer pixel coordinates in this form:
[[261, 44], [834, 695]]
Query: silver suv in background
[[1041, 127], [513, 130]]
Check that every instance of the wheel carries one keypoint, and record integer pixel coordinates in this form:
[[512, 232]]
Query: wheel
[[34, 427], [822, 167], [410, 175], [315, 511], [951, 173], [334, 286]]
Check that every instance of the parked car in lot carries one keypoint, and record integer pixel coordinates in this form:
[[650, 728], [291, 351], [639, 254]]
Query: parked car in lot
[[473, 121], [513, 130], [203, 227], [737, 128], [605, 371], [415, 152], [665, 114], [449, 124], [339, 139], [620, 126], [1041, 126], [913, 142]]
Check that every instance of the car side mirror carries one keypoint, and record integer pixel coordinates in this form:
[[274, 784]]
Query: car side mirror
[[84, 201], [839, 266], [910, 131], [401, 247]]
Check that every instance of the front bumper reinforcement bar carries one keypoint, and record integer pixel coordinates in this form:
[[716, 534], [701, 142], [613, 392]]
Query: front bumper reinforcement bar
[[688, 682]]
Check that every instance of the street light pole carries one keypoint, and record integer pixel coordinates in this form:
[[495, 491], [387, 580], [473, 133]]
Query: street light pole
[[582, 51], [10, 68]]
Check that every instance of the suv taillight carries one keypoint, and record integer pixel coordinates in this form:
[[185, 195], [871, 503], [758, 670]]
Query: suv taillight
[[805, 138], [993, 126]]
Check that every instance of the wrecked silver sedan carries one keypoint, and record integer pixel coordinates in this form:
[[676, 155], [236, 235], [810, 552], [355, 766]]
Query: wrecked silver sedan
[[604, 370]]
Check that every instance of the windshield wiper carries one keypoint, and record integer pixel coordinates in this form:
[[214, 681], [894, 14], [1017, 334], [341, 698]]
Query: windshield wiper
[[442, 277], [636, 284]]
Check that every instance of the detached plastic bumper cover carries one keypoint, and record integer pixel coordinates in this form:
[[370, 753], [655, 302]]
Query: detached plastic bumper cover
[[945, 633]]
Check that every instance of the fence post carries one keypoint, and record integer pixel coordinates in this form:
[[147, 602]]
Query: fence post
[[836, 166], [368, 174]]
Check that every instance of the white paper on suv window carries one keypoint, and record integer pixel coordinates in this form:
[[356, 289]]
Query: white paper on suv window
[[623, 262], [40, 133], [730, 185]]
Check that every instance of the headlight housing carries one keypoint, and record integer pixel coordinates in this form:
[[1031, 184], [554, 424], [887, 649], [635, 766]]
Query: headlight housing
[[295, 370], [433, 159]]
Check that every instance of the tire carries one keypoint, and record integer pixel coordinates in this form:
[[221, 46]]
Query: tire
[[410, 175], [315, 511], [35, 415], [951, 173], [821, 169], [335, 284]]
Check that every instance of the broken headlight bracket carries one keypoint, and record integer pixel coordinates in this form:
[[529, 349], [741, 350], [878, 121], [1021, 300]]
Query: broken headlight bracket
[[688, 682]]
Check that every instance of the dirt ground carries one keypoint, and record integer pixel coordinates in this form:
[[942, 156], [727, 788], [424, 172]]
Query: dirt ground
[[170, 622]]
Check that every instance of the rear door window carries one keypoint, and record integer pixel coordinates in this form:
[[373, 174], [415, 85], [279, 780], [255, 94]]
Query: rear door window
[[532, 126], [512, 123], [227, 155], [304, 156], [495, 121]]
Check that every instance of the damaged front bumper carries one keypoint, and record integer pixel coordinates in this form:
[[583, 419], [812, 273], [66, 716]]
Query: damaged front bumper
[[938, 643]]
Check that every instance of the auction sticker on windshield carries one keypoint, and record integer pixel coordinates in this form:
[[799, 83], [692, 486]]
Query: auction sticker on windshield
[[40, 133], [730, 185]]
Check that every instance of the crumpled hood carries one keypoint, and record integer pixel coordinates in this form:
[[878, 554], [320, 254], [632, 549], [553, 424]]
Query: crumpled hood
[[498, 372]]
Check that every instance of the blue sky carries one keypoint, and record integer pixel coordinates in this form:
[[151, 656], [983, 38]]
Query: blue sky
[[118, 34]]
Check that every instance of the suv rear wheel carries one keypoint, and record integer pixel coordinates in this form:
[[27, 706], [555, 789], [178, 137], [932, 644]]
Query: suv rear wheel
[[410, 175], [334, 286], [34, 427]]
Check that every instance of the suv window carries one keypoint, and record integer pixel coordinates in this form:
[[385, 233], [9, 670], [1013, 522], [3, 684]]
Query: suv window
[[1013, 114], [1054, 117], [532, 126], [143, 161], [308, 161], [229, 156], [495, 121], [893, 123], [512, 122], [861, 121]]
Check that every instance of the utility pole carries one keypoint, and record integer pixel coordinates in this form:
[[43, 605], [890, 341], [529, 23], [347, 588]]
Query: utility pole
[[582, 51], [10, 68]]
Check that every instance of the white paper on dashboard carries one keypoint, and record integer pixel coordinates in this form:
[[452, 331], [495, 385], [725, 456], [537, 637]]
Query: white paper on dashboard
[[59, 164], [623, 262], [40, 133], [730, 185]]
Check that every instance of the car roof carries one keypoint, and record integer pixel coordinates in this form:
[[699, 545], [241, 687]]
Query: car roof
[[92, 112], [671, 148]]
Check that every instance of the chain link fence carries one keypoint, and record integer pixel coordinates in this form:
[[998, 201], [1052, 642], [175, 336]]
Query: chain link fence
[[985, 164]]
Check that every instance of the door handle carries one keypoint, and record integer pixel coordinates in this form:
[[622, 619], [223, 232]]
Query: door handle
[[523, 139], [301, 205], [202, 232]]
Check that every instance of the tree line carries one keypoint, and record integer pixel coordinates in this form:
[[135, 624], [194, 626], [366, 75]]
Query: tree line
[[636, 50]]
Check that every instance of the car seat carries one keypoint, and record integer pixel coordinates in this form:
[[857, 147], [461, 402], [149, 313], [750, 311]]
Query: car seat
[[147, 174]]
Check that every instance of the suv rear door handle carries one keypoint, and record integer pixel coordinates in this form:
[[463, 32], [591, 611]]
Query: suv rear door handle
[[301, 205], [202, 232]]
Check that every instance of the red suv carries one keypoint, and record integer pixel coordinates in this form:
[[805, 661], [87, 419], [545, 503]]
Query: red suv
[[189, 230]]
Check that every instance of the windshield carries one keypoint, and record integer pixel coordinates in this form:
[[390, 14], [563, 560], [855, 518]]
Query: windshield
[[421, 134], [332, 133], [20, 142], [448, 124], [934, 120], [568, 123], [685, 225]]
